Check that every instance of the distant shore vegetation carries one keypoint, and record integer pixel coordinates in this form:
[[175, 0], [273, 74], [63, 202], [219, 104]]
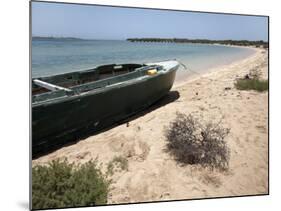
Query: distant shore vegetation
[[55, 38], [259, 43]]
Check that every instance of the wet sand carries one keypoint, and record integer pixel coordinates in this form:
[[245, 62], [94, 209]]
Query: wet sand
[[153, 175]]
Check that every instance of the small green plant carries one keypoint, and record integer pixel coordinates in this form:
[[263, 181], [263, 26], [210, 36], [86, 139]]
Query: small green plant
[[252, 84], [61, 184], [117, 162], [190, 142]]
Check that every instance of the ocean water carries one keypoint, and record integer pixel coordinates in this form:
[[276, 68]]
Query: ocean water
[[50, 57]]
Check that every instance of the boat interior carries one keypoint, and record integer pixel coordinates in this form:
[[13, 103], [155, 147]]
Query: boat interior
[[83, 81]]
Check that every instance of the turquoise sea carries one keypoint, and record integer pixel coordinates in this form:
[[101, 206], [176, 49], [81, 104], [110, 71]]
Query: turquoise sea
[[55, 56]]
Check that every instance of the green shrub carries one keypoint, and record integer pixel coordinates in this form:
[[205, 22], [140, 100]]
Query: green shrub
[[252, 84], [61, 184], [190, 142]]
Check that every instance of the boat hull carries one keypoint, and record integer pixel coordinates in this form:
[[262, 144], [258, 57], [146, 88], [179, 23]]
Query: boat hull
[[57, 123]]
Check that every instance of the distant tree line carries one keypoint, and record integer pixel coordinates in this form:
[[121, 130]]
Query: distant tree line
[[259, 43], [40, 38]]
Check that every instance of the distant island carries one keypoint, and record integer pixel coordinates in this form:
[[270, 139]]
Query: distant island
[[42, 38], [259, 43]]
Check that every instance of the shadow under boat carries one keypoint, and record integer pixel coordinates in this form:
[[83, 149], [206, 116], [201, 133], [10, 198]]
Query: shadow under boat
[[170, 97]]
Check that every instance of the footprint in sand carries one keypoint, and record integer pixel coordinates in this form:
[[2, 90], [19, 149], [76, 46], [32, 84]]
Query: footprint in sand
[[239, 143], [141, 151], [165, 195], [130, 147], [261, 128], [210, 179], [81, 156]]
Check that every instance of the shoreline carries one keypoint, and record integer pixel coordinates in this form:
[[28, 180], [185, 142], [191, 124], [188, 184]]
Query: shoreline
[[208, 97], [198, 74]]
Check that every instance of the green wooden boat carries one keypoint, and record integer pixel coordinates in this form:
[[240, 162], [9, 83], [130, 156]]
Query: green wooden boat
[[68, 106]]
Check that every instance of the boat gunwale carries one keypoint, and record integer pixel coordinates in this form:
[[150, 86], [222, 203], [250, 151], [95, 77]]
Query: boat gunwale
[[141, 79], [76, 92]]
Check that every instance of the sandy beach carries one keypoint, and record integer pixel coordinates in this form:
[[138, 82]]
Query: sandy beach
[[153, 175]]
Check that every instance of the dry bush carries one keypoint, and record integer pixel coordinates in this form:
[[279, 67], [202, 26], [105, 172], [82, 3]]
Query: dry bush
[[190, 142]]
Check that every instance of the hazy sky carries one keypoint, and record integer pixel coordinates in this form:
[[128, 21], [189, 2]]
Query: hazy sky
[[99, 22]]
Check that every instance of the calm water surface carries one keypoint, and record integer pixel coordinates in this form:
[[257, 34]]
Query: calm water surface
[[50, 57]]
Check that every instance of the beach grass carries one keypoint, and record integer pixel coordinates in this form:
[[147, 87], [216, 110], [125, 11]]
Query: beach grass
[[252, 84]]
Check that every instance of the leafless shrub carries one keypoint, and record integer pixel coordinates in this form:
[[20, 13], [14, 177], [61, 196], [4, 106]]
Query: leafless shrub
[[190, 142]]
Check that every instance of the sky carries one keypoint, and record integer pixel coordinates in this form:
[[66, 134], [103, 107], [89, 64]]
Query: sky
[[115, 23]]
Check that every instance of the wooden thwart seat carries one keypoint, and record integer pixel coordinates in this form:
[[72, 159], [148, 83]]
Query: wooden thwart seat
[[50, 86]]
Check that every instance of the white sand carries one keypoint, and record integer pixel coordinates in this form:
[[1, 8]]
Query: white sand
[[154, 175]]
